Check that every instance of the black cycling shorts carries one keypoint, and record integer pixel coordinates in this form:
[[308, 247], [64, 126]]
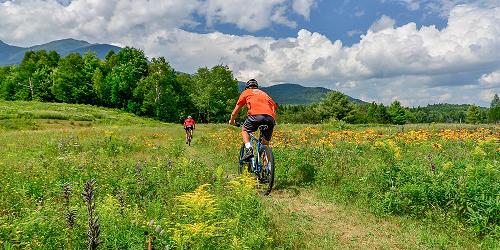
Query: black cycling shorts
[[253, 122], [189, 127]]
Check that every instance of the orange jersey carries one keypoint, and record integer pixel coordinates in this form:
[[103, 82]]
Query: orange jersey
[[258, 102]]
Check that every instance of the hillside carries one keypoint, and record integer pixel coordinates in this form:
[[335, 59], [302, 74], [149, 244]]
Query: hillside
[[288, 93], [14, 55]]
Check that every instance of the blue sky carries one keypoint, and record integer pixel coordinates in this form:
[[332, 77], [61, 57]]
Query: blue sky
[[414, 51], [336, 19]]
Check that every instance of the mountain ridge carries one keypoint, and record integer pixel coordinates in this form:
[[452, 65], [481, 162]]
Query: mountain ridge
[[10, 54], [296, 94]]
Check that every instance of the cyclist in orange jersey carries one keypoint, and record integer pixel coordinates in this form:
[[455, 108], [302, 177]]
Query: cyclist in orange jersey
[[261, 111]]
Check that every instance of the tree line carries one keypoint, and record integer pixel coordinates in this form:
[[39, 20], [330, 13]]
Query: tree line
[[125, 80], [337, 107]]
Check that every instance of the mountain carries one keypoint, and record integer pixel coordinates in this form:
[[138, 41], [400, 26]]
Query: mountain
[[288, 93], [14, 55]]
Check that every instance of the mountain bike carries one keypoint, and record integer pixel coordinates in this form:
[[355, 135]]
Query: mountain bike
[[262, 164]]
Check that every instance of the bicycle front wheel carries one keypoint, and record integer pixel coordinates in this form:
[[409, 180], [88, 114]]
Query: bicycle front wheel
[[267, 173]]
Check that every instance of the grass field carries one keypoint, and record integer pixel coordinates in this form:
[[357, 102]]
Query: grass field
[[338, 186]]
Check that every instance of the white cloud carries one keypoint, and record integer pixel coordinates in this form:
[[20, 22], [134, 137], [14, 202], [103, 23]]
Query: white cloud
[[492, 79], [352, 33], [418, 65], [384, 22], [26, 22], [280, 18], [487, 95], [303, 7], [261, 13]]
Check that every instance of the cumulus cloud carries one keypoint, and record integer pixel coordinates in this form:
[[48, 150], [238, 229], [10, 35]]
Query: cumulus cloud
[[384, 22], [492, 79], [260, 15], [417, 65], [33, 21], [352, 33], [303, 7]]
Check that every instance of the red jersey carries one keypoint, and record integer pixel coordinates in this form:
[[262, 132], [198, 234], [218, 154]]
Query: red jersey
[[189, 122], [258, 102]]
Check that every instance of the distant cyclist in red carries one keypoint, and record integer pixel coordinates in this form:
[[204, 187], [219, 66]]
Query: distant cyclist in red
[[189, 126], [261, 111]]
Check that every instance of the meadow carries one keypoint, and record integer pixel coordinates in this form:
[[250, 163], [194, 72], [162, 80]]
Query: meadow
[[338, 186]]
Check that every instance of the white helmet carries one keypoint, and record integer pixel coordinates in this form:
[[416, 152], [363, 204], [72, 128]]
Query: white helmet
[[189, 117]]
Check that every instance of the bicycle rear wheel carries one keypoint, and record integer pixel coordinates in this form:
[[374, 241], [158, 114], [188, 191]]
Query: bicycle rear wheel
[[243, 165], [267, 173]]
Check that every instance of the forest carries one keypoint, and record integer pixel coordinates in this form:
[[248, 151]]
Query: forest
[[127, 80]]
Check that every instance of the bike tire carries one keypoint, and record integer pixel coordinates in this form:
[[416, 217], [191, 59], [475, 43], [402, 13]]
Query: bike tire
[[269, 174]]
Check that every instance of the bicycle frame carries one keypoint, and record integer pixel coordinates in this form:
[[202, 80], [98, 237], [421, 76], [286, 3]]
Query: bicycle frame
[[256, 166], [262, 155]]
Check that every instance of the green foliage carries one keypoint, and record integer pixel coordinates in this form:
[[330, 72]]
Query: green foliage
[[159, 94], [473, 115], [214, 93], [142, 173], [394, 177], [494, 114], [124, 80], [397, 113], [377, 113], [335, 105], [131, 66], [145, 173], [69, 84]]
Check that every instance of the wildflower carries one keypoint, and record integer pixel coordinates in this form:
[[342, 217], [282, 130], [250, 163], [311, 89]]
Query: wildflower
[[93, 225], [436, 146]]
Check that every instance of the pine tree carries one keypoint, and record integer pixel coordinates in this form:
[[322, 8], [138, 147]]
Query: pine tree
[[397, 113], [494, 114], [473, 115]]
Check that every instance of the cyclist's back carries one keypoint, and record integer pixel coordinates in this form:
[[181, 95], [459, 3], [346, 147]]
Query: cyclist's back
[[261, 111], [189, 122], [258, 102]]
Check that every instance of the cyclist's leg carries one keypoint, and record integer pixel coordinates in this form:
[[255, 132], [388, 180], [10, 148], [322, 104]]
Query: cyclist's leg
[[266, 135], [268, 132], [249, 126]]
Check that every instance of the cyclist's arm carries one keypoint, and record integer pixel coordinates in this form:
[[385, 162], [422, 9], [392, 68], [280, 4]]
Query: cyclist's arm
[[236, 110]]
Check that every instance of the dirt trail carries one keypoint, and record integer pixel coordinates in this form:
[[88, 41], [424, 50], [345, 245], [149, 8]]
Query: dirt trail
[[305, 222]]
